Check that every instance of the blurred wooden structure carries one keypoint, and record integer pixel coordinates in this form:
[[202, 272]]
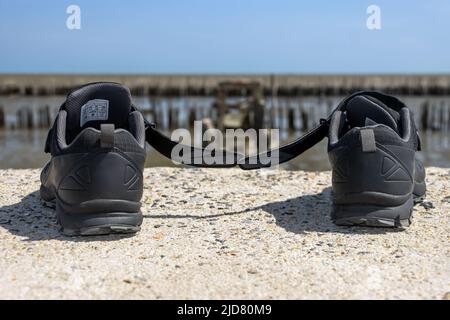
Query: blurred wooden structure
[[288, 102], [239, 104], [206, 85]]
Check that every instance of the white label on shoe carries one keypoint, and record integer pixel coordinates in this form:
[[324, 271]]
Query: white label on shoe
[[94, 110]]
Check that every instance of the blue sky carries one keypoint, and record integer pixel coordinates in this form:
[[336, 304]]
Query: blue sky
[[224, 36]]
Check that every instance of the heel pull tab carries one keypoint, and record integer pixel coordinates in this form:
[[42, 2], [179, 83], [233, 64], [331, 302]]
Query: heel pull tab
[[368, 140], [107, 135]]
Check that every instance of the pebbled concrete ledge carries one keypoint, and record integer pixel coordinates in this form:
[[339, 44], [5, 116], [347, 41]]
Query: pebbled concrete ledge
[[215, 233]]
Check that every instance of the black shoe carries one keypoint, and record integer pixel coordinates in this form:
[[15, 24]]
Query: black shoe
[[372, 145], [95, 175], [376, 176]]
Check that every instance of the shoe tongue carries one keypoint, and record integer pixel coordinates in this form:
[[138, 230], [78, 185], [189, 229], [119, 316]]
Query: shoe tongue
[[365, 111], [97, 103]]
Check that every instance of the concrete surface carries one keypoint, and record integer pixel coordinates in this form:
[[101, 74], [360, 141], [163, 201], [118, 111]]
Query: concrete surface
[[225, 234]]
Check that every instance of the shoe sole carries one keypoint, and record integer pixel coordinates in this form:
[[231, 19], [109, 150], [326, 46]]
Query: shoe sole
[[373, 216], [99, 223], [379, 216], [95, 223]]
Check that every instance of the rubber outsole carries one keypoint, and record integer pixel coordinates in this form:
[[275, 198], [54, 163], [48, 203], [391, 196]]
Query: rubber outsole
[[74, 224], [101, 230], [374, 222], [93, 224], [99, 224], [373, 216]]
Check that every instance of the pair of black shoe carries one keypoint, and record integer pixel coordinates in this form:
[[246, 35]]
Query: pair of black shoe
[[97, 144]]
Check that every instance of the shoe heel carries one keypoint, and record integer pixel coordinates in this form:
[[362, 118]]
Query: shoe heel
[[100, 195], [75, 222], [373, 215]]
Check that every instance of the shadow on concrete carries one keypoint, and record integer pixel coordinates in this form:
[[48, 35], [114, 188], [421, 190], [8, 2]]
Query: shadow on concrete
[[193, 216], [311, 213], [308, 213], [34, 221]]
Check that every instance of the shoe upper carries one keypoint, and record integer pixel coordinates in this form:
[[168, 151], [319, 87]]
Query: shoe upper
[[372, 145], [97, 142], [77, 124]]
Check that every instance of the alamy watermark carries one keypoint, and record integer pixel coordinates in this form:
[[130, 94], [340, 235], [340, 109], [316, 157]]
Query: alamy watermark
[[73, 21], [373, 21], [221, 149]]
